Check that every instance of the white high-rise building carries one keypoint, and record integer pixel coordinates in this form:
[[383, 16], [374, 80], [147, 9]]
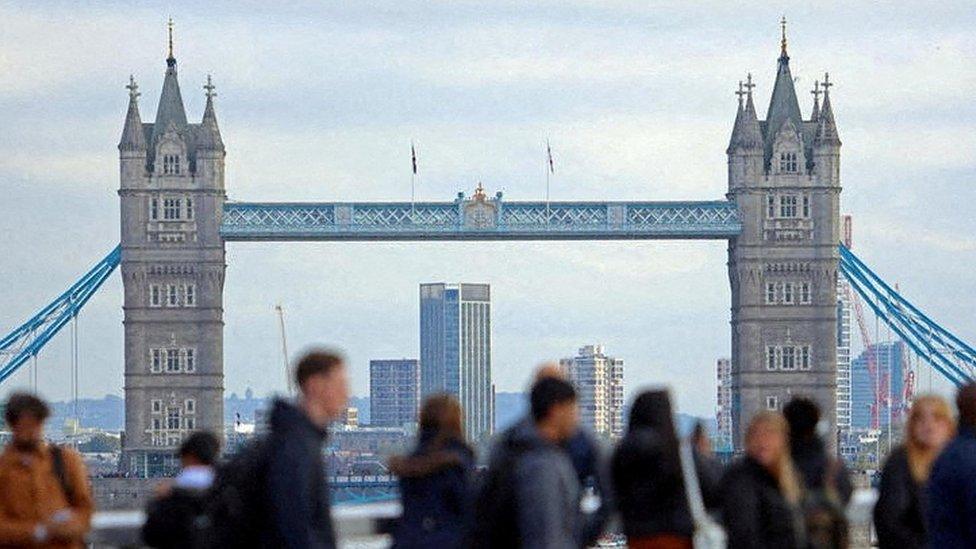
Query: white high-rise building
[[723, 403], [844, 388], [599, 383]]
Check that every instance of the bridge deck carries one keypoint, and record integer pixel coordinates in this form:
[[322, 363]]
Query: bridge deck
[[479, 218]]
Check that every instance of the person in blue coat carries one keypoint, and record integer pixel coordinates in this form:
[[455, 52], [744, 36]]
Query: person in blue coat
[[952, 483], [435, 480]]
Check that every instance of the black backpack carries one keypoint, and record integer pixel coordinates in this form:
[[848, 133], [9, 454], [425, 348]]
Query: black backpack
[[236, 508], [495, 524], [823, 513]]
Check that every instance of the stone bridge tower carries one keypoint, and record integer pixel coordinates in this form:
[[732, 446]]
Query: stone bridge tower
[[172, 194], [784, 175]]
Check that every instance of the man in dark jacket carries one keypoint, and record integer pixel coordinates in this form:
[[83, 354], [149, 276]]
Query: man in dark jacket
[[547, 491], [296, 487], [952, 483], [172, 517]]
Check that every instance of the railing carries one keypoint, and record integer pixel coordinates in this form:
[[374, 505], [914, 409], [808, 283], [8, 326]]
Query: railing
[[121, 528]]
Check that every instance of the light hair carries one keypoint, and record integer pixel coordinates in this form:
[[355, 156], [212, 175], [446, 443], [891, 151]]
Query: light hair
[[783, 470], [921, 458]]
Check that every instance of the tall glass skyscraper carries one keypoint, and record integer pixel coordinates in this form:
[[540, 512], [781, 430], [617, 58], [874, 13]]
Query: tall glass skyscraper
[[455, 350], [889, 358]]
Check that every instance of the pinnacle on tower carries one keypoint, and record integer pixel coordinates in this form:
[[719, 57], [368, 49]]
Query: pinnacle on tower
[[133, 138], [827, 128], [170, 110], [783, 104], [815, 114], [746, 134], [209, 137]]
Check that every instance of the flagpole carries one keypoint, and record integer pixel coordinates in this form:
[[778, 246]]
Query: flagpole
[[413, 180], [548, 167]]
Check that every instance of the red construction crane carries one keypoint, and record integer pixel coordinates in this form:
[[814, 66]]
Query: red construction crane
[[870, 352]]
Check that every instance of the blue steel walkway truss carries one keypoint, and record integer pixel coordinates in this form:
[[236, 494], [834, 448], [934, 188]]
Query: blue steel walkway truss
[[480, 218], [28, 340]]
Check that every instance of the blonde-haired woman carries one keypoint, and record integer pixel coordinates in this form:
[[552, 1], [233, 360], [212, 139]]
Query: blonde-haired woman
[[899, 514], [761, 492]]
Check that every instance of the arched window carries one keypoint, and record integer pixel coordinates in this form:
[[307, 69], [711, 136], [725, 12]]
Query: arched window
[[171, 164]]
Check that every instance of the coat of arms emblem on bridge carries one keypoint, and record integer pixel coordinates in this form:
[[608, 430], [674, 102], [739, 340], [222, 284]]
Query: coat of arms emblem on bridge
[[481, 212]]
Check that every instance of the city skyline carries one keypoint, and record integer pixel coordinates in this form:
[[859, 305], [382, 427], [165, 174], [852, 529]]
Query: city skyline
[[679, 313]]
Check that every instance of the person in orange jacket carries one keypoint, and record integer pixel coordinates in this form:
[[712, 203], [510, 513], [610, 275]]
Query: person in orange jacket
[[45, 499]]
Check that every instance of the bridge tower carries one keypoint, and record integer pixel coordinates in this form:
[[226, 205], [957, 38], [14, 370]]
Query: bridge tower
[[784, 177], [172, 194]]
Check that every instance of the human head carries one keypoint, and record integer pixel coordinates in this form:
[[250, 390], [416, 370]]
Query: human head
[[322, 380], [25, 415], [767, 437], [700, 439], [553, 403], [200, 448], [441, 417], [766, 442], [802, 414], [966, 402], [653, 409], [551, 369], [928, 429]]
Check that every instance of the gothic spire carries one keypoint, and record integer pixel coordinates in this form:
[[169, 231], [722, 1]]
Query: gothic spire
[[746, 133], [783, 104], [170, 109], [815, 114], [827, 128], [209, 132], [132, 137]]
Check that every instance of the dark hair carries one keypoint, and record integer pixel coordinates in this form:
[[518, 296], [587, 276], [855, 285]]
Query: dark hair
[[803, 415], [25, 404], [547, 393], [652, 411], [966, 402], [440, 417], [316, 362], [202, 445]]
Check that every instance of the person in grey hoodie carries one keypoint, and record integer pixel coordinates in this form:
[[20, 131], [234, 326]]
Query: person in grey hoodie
[[547, 489]]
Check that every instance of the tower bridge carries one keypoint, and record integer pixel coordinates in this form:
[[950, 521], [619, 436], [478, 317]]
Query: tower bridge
[[780, 217]]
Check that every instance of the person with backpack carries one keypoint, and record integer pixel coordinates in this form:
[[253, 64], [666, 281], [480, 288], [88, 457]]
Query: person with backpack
[[586, 455], [647, 478], [45, 499], [172, 518], [825, 479], [435, 480], [899, 515], [952, 483], [274, 492], [761, 492], [530, 497]]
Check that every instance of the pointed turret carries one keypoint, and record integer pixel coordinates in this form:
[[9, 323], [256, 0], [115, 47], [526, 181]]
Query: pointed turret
[[209, 136], [170, 109], [751, 132], [737, 125], [826, 127], [815, 113], [133, 139], [746, 145], [783, 104]]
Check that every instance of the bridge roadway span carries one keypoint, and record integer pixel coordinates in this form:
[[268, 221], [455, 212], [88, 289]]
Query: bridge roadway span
[[478, 218]]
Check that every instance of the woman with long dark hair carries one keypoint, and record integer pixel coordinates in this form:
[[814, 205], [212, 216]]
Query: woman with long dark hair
[[435, 480], [899, 515], [648, 485]]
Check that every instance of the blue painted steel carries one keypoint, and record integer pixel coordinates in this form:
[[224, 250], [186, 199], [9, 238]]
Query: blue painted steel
[[28, 340], [479, 218], [945, 352]]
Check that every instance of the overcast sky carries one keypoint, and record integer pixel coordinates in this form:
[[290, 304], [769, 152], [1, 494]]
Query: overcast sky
[[321, 103]]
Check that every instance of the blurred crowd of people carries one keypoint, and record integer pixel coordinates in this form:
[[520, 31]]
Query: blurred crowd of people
[[545, 483]]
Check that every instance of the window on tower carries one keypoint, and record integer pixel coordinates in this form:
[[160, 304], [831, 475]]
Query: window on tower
[[787, 206], [171, 209], [154, 208], [787, 162], [772, 403], [171, 164]]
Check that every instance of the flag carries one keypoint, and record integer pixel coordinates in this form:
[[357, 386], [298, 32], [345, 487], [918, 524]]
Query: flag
[[413, 158], [552, 169]]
